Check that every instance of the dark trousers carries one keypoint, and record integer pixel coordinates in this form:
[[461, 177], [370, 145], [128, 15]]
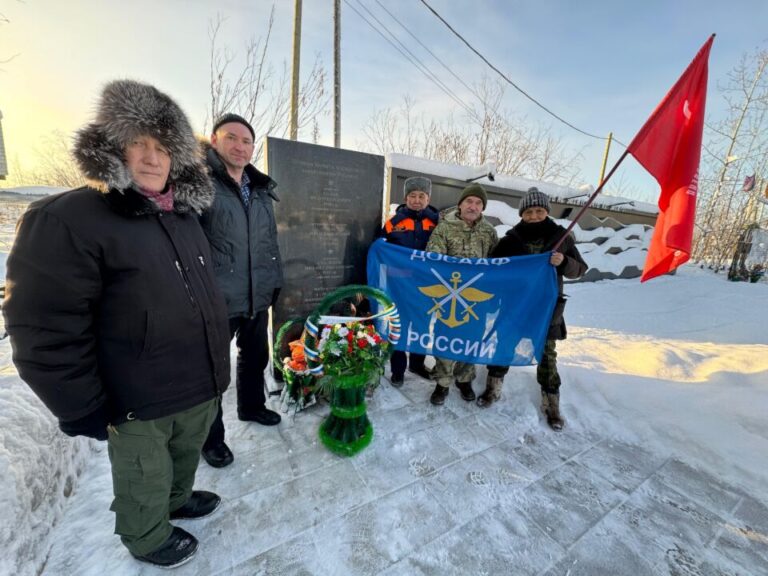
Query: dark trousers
[[153, 471], [546, 371], [252, 360], [399, 361]]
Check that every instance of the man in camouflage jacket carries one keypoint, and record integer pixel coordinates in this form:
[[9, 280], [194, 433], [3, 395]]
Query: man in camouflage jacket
[[464, 233]]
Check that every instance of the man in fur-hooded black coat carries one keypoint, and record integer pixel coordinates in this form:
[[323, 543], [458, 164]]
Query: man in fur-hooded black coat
[[534, 234], [114, 315]]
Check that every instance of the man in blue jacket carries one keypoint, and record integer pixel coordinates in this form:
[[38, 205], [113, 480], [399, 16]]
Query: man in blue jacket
[[240, 226], [411, 227]]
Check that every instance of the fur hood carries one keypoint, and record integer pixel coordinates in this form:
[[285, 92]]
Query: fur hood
[[128, 109]]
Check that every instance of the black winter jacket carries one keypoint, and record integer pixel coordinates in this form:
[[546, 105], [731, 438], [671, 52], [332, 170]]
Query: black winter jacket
[[246, 257], [410, 228], [524, 239], [112, 307]]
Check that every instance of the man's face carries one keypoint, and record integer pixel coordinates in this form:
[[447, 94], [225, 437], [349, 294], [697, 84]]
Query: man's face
[[534, 214], [233, 142], [149, 163], [470, 209], [417, 200]]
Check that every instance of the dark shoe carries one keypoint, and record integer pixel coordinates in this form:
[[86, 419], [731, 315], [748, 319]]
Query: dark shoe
[[438, 395], [397, 380], [200, 504], [466, 390], [218, 456], [178, 548], [550, 405], [263, 416], [492, 392], [422, 372]]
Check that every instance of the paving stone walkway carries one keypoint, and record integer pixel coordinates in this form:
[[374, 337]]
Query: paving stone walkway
[[441, 491]]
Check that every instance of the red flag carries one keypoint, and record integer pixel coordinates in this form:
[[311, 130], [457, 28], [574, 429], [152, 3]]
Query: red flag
[[669, 147]]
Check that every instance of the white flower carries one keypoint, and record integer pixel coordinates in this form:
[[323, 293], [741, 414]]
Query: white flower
[[370, 339], [343, 331], [325, 333]]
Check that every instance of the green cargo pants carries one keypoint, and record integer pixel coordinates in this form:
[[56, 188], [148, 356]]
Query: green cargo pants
[[153, 471], [448, 370]]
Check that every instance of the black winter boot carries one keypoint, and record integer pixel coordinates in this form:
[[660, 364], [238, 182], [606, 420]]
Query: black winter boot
[[200, 504], [178, 548], [550, 405], [439, 395], [492, 391], [466, 390]]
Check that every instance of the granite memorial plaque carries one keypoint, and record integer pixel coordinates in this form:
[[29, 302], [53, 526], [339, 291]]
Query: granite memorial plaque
[[328, 215]]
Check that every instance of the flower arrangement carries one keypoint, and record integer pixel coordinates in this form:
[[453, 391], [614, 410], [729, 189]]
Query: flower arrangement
[[349, 355], [352, 348], [300, 385], [300, 388]]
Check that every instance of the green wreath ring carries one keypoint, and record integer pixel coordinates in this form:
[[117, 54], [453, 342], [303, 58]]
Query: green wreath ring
[[388, 313]]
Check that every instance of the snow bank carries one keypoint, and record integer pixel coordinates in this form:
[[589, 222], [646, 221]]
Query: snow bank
[[39, 467]]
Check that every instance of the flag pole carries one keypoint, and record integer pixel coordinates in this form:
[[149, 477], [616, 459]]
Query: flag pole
[[589, 201]]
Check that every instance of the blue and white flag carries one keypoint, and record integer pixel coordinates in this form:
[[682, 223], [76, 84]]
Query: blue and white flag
[[477, 310]]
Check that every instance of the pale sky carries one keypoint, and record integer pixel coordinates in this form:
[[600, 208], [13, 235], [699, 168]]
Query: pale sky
[[602, 65]]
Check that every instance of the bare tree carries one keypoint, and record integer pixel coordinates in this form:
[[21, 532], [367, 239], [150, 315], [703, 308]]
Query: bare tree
[[735, 147], [3, 21], [55, 165], [255, 91], [518, 146]]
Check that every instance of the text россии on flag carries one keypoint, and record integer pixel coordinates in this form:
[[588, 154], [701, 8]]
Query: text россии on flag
[[669, 147], [478, 310]]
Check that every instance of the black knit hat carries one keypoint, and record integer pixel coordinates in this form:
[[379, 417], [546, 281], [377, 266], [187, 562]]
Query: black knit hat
[[534, 198], [227, 118], [474, 190], [417, 183]]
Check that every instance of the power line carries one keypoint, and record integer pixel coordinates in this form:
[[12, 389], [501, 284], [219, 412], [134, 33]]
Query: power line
[[443, 64], [411, 58], [509, 81]]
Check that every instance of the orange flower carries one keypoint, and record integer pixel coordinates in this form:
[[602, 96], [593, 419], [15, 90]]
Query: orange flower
[[298, 361]]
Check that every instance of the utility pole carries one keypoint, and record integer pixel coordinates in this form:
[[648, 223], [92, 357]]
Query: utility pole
[[605, 156], [337, 73], [294, 125]]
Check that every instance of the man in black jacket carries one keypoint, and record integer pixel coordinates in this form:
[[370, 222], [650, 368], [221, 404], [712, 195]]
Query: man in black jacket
[[240, 225], [537, 233], [115, 318]]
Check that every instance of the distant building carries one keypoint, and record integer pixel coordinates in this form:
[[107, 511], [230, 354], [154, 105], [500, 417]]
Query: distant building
[[3, 161]]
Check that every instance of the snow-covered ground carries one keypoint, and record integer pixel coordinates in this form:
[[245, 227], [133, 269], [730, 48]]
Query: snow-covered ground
[[677, 366]]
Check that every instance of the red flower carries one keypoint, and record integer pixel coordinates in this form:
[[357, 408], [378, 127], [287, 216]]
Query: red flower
[[350, 337], [377, 338], [349, 349], [362, 343]]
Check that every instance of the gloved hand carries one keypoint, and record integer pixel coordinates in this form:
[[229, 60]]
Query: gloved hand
[[93, 425]]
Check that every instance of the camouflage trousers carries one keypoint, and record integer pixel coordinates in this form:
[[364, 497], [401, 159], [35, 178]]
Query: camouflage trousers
[[546, 371], [448, 370]]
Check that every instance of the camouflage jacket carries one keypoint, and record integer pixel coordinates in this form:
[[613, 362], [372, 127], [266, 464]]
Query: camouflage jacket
[[454, 237]]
